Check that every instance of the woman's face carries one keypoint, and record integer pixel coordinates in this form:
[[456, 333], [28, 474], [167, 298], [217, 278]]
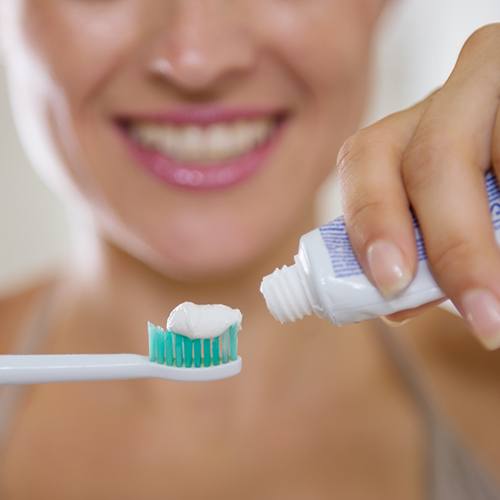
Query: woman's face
[[198, 131]]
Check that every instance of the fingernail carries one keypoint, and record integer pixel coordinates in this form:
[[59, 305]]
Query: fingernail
[[395, 324], [388, 268], [482, 311]]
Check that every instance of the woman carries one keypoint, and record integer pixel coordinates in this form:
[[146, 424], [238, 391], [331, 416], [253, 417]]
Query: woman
[[196, 134]]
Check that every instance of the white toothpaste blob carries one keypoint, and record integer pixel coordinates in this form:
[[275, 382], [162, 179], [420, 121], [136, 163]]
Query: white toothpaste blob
[[202, 321]]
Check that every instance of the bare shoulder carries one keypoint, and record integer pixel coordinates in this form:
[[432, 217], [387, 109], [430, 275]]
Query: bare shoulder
[[15, 310]]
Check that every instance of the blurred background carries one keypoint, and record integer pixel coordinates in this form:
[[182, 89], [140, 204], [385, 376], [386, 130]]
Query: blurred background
[[417, 46]]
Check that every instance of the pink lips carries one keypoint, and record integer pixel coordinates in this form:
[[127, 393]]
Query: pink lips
[[194, 176]]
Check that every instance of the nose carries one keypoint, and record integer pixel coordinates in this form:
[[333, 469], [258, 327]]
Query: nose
[[201, 43]]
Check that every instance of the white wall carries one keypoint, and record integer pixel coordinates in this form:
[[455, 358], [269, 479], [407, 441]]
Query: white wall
[[419, 42]]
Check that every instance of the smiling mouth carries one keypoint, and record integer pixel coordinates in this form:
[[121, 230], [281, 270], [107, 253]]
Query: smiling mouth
[[202, 149], [204, 145]]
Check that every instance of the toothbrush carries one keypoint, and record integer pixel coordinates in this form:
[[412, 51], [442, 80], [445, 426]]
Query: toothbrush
[[171, 356]]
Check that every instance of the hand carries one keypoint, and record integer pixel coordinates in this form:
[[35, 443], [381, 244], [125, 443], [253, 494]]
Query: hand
[[433, 157]]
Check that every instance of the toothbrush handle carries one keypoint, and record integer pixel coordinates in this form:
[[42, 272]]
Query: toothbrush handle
[[42, 368], [35, 369]]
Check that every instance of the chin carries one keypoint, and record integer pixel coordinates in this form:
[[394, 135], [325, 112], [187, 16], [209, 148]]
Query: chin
[[201, 260], [199, 267]]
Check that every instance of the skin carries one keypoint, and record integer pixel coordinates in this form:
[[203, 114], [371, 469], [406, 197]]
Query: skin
[[417, 152], [215, 247]]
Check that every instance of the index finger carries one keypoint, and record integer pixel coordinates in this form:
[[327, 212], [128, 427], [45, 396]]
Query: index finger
[[375, 204]]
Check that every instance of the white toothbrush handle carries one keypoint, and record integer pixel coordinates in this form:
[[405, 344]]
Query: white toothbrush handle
[[42, 368]]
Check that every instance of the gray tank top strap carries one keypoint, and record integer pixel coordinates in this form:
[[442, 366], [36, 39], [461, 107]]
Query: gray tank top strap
[[452, 471], [31, 336]]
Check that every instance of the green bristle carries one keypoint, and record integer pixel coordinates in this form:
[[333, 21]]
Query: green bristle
[[152, 341], [188, 352], [169, 348], [233, 341], [225, 346], [179, 360], [215, 351], [207, 356], [173, 349], [197, 352], [160, 345]]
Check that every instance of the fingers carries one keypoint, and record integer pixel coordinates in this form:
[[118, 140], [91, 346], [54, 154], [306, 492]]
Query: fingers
[[433, 157], [443, 171], [375, 204]]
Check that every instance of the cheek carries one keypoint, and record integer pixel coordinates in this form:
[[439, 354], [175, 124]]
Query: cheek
[[80, 50], [324, 43], [56, 75], [325, 47]]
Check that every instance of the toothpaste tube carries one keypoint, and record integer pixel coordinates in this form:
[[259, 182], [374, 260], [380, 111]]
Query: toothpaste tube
[[328, 281]]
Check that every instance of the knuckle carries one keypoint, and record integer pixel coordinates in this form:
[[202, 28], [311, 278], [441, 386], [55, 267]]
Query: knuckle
[[357, 212], [351, 152], [360, 145], [421, 163], [362, 218], [483, 36], [346, 152], [479, 55], [453, 256]]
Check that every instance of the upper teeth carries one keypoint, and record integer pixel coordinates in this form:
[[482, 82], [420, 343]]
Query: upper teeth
[[204, 144]]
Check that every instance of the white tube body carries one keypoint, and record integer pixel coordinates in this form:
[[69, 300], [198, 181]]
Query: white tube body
[[328, 280], [340, 290]]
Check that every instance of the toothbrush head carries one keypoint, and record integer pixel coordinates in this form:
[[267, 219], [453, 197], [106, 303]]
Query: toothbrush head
[[174, 349], [198, 338]]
